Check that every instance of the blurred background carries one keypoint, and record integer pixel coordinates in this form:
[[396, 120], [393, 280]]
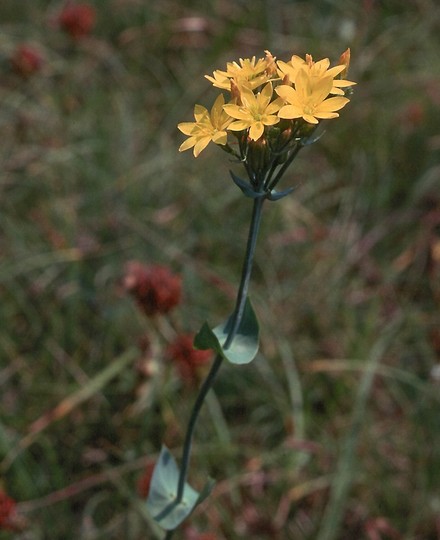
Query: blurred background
[[115, 248]]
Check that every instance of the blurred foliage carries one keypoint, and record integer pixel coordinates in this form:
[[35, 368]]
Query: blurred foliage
[[347, 265]]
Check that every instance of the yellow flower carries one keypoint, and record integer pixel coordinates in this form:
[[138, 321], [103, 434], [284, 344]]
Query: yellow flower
[[220, 80], [255, 112], [248, 70], [315, 71], [207, 127], [308, 99]]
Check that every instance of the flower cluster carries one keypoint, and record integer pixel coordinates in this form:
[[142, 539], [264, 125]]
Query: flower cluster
[[271, 110], [7, 511], [186, 358], [155, 288], [77, 20], [26, 60], [157, 291]]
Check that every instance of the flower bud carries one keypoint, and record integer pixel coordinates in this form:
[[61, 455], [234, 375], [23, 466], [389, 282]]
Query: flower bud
[[344, 60], [258, 155], [306, 130], [309, 60], [271, 67], [286, 80], [235, 92]]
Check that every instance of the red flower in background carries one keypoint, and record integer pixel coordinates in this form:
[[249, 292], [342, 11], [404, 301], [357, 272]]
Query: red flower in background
[[155, 288], [77, 20], [7, 511], [26, 60], [191, 533], [187, 359], [143, 485]]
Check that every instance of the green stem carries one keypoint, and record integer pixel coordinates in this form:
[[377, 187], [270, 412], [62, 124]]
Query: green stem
[[235, 324], [272, 183], [246, 271], [192, 423]]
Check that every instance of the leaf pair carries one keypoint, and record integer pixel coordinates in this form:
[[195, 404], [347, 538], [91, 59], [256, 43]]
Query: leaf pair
[[244, 345], [250, 192], [162, 501]]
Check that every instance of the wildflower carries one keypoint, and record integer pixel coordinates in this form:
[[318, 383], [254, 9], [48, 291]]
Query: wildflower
[[207, 127], [269, 127], [26, 60], [155, 289], [255, 112], [316, 71], [187, 359], [308, 100], [248, 70], [77, 20], [7, 511]]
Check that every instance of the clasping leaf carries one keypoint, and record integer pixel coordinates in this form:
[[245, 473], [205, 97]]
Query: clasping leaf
[[244, 346], [162, 501], [246, 188]]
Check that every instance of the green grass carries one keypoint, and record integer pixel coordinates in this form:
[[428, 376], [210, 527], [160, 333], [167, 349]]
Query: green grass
[[333, 432]]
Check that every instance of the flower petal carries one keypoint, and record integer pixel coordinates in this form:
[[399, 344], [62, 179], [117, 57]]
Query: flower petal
[[186, 127], [237, 112], [200, 112], [321, 66], [270, 120], [247, 97], [220, 137], [334, 71], [290, 111], [310, 119], [186, 145], [286, 92], [322, 89], [256, 130], [333, 104], [274, 106], [326, 115], [337, 92], [239, 125], [265, 96], [342, 83], [201, 144], [217, 110], [303, 86]]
